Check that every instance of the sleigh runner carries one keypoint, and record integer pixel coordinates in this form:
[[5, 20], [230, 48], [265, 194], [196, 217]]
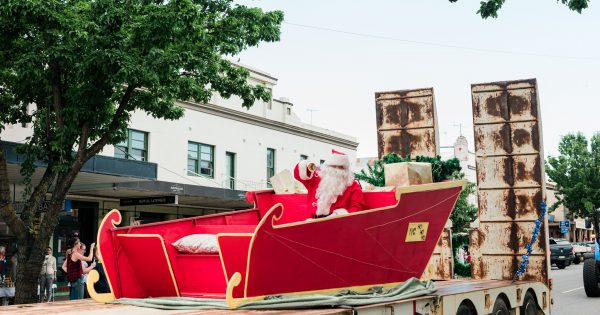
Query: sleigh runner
[[273, 250]]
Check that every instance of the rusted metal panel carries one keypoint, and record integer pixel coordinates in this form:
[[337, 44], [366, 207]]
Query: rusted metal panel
[[509, 204], [502, 267], [500, 238], [406, 122], [525, 136], [401, 142], [510, 176], [441, 263], [507, 138], [521, 103], [494, 172]]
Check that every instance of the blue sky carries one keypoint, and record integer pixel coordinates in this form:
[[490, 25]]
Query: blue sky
[[338, 74]]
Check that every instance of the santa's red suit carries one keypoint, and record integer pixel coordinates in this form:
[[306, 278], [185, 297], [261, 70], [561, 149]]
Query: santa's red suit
[[352, 199]]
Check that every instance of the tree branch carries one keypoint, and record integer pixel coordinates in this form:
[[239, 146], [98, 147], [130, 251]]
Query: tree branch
[[83, 139], [38, 194], [7, 212], [57, 100], [96, 147]]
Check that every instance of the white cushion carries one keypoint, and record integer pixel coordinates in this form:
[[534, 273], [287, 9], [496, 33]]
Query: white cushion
[[197, 244]]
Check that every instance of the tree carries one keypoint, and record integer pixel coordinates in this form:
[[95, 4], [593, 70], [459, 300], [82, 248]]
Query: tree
[[463, 213], [576, 172], [490, 8], [87, 65]]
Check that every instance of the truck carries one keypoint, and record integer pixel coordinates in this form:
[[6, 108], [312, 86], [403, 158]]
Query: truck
[[510, 195], [562, 253]]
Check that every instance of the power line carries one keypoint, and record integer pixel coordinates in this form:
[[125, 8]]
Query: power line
[[408, 41]]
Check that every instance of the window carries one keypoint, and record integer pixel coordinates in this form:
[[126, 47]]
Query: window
[[230, 168], [303, 157], [270, 165], [201, 159], [134, 147], [289, 111]]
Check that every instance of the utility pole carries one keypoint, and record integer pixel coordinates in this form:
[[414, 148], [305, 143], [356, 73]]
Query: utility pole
[[311, 113], [459, 128]]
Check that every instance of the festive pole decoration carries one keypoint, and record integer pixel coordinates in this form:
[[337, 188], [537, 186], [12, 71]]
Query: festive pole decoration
[[529, 247]]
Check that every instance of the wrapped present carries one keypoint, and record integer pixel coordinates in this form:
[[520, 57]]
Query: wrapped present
[[407, 173]]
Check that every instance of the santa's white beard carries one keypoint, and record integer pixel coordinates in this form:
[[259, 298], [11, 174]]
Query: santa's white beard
[[332, 185]]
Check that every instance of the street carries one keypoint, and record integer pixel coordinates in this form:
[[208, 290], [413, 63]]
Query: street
[[568, 293]]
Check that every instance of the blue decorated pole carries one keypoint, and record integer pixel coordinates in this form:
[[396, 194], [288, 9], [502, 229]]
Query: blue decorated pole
[[529, 247]]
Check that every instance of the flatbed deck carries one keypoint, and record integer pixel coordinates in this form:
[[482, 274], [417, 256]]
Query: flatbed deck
[[88, 306]]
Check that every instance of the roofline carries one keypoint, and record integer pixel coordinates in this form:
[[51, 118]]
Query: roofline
[[269, 123]]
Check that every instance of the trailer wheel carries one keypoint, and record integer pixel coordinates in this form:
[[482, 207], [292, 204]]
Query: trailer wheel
[[529, 306], [577, 260], [466, 309], [561, 265], [500, 307], [590, 278]]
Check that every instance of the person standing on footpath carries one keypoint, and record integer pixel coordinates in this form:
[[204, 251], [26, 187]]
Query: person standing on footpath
[[74, 268], [47, 276]]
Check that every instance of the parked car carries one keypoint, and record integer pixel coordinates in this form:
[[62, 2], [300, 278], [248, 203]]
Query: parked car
[[561, 253], [580, 249]]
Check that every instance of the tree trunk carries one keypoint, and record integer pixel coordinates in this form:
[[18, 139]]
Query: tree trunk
[[31, 254], [28, 271]]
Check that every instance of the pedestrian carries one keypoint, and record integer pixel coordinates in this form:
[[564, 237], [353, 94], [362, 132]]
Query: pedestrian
[[3, 264], [461, 255], [468, 257], [47, 276], [86, 269], [13, 261], [74, 268]]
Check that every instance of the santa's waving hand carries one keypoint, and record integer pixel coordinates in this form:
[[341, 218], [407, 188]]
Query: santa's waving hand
[[332, 190]]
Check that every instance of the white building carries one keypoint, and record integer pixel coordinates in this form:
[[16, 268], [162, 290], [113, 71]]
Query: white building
[[208, 158]]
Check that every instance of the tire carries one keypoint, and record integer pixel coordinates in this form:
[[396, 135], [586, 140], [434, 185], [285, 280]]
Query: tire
[[577, 260], [500, 307], [529, 306], [590, 278], [561, 265], [463, 309]]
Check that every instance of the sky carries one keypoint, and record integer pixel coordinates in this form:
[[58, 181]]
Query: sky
[[416, 44]]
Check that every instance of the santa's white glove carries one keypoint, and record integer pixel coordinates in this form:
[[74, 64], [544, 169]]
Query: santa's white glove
[[339, 211]]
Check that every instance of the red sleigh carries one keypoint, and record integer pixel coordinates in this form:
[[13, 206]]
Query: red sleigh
[[273, 250]]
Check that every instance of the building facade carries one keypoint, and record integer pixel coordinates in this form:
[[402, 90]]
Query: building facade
[[208, 159]]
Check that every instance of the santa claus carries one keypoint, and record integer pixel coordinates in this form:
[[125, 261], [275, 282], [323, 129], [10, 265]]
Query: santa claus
[[332, 189]]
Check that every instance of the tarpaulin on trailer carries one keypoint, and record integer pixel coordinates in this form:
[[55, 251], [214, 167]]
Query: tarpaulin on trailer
[[409, 289]]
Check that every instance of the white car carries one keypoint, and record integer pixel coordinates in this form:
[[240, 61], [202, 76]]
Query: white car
[[581, 248]]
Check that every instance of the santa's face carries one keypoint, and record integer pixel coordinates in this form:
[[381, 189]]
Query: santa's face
[[334, 181]]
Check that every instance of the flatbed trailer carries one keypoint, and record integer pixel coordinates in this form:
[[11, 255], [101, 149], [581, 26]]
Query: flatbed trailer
[[478, 296]]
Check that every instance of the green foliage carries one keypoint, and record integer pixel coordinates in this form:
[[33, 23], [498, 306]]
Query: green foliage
[[78, 60], [463, 213], [460, 269], [490, 8], [576, 172]]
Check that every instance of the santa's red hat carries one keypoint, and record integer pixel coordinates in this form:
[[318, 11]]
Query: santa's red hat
[[338, 159]]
